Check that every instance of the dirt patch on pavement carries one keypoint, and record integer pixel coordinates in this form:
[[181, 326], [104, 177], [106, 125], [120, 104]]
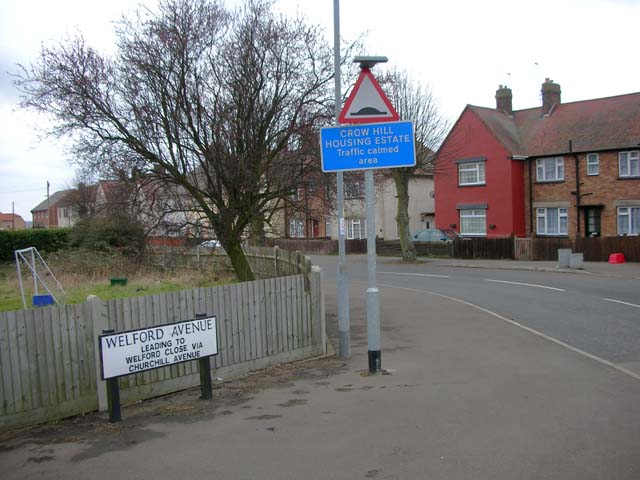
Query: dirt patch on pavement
[[184, 407]]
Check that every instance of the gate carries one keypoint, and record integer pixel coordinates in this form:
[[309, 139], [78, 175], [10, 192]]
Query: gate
[[522, 248]]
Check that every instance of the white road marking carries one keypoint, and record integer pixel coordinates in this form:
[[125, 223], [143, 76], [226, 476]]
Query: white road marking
[[526, 284], [415, 274], [620, 301], [528, 329]]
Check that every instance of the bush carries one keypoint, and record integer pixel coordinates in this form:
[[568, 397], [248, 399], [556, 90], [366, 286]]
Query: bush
[[45, 240], [105, 234]]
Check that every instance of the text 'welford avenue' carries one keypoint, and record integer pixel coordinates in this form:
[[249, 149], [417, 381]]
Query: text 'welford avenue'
[[139, 350]]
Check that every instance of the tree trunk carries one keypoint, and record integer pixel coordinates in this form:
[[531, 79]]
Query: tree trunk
[[258, 237], [401, 180], [239, 262]]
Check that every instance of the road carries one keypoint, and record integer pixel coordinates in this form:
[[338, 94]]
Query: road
[[595, 314]]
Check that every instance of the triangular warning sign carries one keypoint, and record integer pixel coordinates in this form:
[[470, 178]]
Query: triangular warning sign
[[367, 103]]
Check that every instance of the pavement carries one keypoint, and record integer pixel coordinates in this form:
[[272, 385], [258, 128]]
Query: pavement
[[622, 270], [466, 395]]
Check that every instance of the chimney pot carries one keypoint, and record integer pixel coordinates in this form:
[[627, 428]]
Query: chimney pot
[[504, 99], [550, 96]]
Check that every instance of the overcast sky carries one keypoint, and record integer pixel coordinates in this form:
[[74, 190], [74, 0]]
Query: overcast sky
[[462, 49]]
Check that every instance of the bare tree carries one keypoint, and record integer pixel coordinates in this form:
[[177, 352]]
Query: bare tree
[[198, 96], [415, 102], [81, 196]]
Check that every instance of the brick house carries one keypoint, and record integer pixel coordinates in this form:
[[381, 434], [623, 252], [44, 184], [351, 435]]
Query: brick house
[[56, 211], [306, 214], [11, 221], [559, 170]]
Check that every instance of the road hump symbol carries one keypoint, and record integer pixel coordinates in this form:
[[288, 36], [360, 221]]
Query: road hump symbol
[[367, 103]]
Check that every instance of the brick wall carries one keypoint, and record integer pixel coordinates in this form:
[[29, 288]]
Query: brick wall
[[605, 189]]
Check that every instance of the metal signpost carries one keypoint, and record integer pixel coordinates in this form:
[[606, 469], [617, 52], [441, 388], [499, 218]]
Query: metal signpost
[[366, 146]]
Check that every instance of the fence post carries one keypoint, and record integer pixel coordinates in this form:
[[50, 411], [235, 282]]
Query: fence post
[[276, 249], [317, 305], [100, 322]]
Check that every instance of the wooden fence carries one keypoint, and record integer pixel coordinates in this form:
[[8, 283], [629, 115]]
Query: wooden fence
[[49, 361], [423, 249], [595, 249], [489, 248], [323, 246]]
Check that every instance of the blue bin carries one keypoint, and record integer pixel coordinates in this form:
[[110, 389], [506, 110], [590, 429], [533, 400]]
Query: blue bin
[[42, 300]]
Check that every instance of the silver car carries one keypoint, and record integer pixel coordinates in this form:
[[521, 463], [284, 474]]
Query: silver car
[[430, 235]]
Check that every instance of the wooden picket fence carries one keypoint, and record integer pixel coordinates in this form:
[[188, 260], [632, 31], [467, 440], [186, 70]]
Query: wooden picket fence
[[49, 357], [546, 249]]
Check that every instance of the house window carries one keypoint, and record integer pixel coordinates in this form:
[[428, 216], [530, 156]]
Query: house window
[[473, 223], [353, 189], [628, 220], [296, 228], [593, 164], [356, 228], [297, 194], [550, 169], [629, 164], [552, 221], [471, 173]]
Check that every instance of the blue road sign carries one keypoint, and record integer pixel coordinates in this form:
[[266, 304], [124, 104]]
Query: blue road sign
[[366, 146]]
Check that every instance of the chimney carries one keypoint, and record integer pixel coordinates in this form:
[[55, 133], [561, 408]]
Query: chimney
[[550, 96], [503, 99]]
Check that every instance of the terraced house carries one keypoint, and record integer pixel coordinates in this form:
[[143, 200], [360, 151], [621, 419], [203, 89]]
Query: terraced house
[[558, 170]]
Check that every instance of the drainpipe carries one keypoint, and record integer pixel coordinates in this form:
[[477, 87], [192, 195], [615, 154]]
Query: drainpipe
[[530, 198], [575, 157]]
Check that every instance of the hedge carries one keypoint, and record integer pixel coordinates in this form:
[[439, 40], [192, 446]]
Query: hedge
[[45, 240]]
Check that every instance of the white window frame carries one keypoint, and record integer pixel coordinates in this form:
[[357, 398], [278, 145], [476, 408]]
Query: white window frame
[[476, 169], [296, 228], [629, 164], [625, 220], [543, 216], [469, 218], [550, 169], [593, 164], [356, 228]]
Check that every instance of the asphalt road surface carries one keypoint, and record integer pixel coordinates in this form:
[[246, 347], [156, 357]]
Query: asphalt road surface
[[596, 314]]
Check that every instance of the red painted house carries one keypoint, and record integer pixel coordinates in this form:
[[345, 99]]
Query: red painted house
[[559, 170]]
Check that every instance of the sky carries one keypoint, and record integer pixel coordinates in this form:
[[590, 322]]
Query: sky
[[461, 49]]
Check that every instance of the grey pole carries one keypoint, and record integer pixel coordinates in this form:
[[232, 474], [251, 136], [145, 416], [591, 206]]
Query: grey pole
[[373, 294], [373, 297], [344, 328]]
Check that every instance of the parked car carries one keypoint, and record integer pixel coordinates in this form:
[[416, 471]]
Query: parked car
[[213, 244], [430, 235]]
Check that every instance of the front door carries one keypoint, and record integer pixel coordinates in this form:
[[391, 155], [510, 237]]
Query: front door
[[592, 221]]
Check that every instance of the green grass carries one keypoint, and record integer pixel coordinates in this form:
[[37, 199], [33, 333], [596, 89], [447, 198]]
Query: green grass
[[10, 298], [88, 277]]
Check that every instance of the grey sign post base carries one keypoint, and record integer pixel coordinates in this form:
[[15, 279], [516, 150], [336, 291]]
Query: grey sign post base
[[373, 294]]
